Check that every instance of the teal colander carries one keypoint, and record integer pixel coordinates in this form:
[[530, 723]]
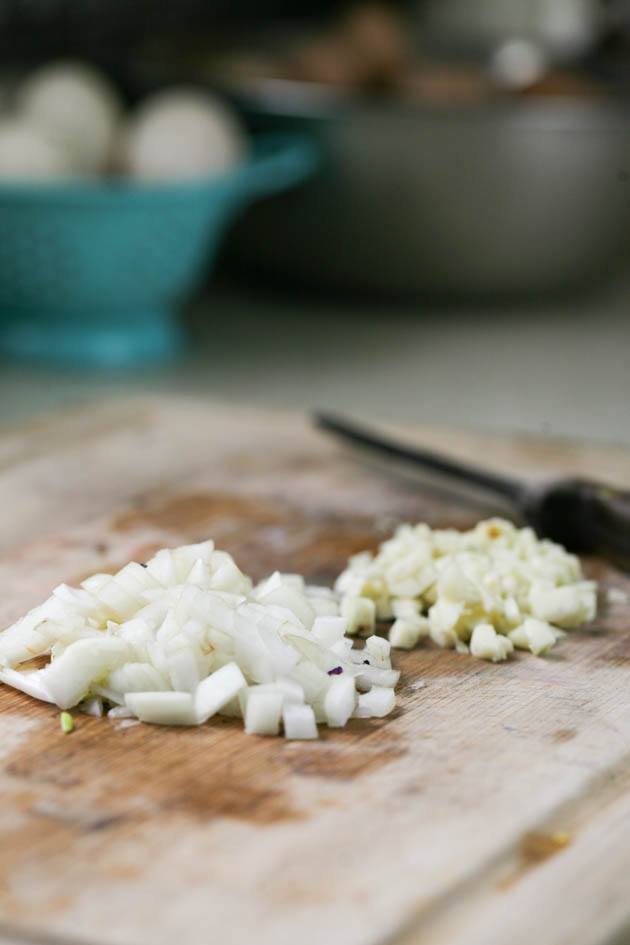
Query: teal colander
[[93, 273]]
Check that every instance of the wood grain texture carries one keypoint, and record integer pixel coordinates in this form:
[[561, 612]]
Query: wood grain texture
[[493, 803]]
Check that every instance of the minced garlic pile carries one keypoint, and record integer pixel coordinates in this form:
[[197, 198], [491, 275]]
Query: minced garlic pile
[[485, 591]]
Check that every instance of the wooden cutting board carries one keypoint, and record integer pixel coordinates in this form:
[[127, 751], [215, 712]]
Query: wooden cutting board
[[493, 806]]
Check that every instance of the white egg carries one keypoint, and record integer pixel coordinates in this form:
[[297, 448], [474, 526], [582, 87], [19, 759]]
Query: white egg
[[182, 134], [26, 153], [76, 105]]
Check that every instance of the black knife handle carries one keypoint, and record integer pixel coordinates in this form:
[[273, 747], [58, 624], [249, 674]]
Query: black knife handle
[[587, 517], [607, 514]]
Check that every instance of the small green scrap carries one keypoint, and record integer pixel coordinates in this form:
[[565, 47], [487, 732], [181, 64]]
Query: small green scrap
[[67, 722]]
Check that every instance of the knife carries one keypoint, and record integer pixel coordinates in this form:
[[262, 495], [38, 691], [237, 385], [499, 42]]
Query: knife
[[585, 516]]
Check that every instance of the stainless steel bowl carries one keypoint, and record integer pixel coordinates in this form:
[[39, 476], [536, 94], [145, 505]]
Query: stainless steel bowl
[[523, 197]]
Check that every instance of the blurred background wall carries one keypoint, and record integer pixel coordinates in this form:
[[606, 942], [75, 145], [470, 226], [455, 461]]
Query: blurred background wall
[[440, 233]]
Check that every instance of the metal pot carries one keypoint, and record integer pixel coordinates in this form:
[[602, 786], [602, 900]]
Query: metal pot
[[490, 199]]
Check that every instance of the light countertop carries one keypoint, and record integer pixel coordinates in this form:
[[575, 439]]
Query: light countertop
[[561, 367]]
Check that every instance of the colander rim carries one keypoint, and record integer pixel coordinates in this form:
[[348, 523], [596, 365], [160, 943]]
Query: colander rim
[[270, 153]]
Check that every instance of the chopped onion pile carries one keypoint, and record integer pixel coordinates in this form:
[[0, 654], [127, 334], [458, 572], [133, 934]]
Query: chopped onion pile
[[485, 591], [187, 636]]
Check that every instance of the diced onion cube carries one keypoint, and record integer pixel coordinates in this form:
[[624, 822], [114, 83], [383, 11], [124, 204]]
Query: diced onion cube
[[93, 707], [217, 690], [378, 650], [340, 701], [162, 708], [377, 703], [328, 630], [263, 712], [324, 606], [133, 578], [199, 574], [342, 648], [29, 683], [136, 677], [369, 676], [120, 712], [290, 691], [314, 681], [293, 580], [292, 599], [183, 670], [120, 602], [299, 722], [69, 678], [229, 578]]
